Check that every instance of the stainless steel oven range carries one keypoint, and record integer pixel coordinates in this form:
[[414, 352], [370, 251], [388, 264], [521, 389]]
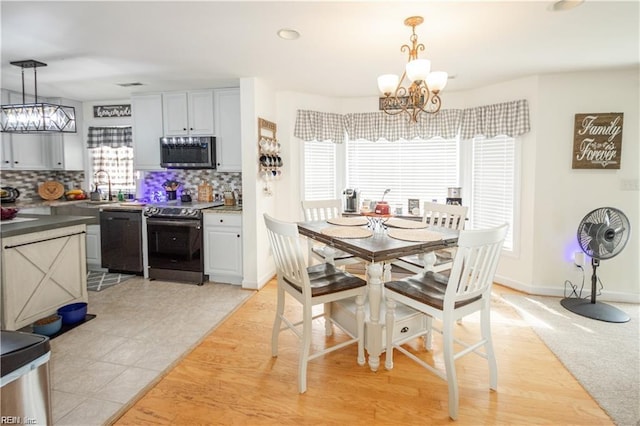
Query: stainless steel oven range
[[174, 243]]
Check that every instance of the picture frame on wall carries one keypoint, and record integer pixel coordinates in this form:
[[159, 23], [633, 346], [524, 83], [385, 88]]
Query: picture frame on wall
[[597, 141], [413, 205]]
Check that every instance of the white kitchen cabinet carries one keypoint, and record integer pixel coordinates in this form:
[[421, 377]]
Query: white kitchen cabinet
[[41, 272], [223, 247], [28, 152], [227, 124], [188, 113], [94, 255], [25, 151], [146, 112], [66, 150]]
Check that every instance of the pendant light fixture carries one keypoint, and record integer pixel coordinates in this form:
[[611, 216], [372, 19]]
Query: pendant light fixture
[[422, 94], [36, 117]]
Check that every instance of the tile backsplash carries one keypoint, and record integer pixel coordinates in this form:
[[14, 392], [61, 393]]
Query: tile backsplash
[[189, 181], [27, 181]]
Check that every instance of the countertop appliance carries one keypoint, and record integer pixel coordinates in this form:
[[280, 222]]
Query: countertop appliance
[[175, 242], [454, 196], [188, 152], [351, 200]]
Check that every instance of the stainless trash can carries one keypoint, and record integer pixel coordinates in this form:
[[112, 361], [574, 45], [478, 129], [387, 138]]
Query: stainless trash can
[[24, 386]]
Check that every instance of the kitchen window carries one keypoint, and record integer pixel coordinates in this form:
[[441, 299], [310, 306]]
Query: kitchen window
[[493, 184], [424, 169], [320, 163], [111, 150], [417, 168]]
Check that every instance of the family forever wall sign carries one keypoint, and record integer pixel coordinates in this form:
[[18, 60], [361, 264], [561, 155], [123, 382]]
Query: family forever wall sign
[[597, 141]]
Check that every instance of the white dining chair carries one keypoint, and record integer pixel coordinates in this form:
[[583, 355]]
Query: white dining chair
[[310, 286], [435, 214], [466, 290], [315, 210]]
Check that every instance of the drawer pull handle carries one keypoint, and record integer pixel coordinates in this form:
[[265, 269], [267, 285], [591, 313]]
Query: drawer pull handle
[[404, 329]]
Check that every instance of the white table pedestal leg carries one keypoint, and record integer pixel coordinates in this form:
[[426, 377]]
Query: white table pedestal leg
[[374, 328], [329, 255], [429, 259]]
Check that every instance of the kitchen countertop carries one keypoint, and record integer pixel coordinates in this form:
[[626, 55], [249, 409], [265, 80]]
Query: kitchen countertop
[[114, 205], [223, 209], [19, 226]]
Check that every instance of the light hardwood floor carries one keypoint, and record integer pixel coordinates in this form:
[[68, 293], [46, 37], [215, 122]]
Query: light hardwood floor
[[231, 378]]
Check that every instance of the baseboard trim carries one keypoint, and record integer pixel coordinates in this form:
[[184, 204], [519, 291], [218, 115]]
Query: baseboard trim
[[609, 296]]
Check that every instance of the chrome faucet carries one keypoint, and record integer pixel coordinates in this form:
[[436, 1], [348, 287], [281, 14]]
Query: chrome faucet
[[108, 181]]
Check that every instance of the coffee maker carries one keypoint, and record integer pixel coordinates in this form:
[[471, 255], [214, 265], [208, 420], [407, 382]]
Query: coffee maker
[[453, 196], [351, 200]]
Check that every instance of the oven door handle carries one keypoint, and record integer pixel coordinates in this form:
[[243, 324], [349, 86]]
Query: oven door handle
[[182, 223]]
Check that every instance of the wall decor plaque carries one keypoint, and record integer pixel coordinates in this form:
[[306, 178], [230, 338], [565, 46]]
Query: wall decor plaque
[[597, 141], [108, 111]]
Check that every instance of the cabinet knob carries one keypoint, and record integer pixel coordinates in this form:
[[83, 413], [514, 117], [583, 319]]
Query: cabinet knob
[[16, 162], [238, 235], [6, 161], [221, 220], [184, 128], [191, 128]]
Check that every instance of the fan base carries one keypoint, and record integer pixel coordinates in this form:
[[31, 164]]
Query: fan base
[[599, 311]]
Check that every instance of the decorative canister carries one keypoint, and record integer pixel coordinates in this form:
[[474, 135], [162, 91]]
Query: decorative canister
[[229, 198]]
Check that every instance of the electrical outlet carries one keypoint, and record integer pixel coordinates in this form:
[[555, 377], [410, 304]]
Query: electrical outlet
[[578, 258], [630, 184]]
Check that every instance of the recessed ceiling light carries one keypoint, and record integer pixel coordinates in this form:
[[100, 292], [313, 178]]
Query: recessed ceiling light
[[288, 34], [562, 5]]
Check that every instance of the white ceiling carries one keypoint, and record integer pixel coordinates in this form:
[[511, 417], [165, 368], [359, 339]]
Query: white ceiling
[[90, 47]]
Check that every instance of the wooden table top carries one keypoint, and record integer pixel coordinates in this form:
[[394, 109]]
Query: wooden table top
[[380, 246]]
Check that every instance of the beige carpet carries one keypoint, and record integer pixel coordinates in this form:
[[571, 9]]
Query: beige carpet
[[604, 357]]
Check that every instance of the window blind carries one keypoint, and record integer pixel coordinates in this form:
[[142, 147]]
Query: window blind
[[418, 169], [319, 170], [493, 182]]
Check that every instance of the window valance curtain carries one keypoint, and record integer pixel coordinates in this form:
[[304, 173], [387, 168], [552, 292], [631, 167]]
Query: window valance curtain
[[114, 137], [373, 126], [508, 118], [319, 126]]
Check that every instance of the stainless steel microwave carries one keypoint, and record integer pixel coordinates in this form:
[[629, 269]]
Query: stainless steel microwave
[[188, 152]]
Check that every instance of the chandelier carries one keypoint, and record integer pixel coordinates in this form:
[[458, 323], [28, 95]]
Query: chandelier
[[425, 85], [36, 117]]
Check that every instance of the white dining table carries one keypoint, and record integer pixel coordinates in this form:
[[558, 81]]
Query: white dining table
[[377, 251]]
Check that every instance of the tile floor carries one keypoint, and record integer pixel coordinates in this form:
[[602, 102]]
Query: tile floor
[[142, 328]]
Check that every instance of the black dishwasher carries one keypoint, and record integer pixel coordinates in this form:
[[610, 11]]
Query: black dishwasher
[[121, 241]]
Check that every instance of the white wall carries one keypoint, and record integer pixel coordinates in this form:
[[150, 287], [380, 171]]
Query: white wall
[[563, 196], [257, 99]]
